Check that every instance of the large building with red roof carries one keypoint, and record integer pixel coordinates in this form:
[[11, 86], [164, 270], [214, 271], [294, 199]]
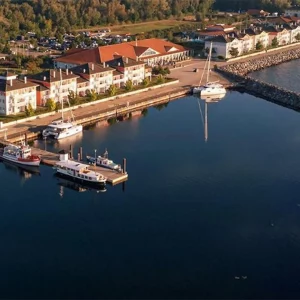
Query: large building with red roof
[[148, 51]]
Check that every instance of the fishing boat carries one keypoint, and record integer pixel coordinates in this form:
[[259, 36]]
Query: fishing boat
[[103, 161], [210, 88], [62, 128], [20, 155], [78, 171]]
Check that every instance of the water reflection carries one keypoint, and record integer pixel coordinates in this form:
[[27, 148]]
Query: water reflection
[[207, 100], [75, 186], [25, 172]]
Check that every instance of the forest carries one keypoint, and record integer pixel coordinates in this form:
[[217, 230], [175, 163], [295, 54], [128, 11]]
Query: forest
[[56, 17]]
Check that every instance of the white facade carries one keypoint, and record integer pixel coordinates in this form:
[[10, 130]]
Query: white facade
[[293, 33], [292, 12], [14, 100], [263, 37]]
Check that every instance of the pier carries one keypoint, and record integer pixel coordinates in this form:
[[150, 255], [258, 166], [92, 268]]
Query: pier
[[50, 159]]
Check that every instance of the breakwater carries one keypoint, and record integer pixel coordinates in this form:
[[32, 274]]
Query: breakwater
[[238, 72]]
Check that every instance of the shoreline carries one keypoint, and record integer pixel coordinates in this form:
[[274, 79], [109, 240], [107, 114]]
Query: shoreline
[[234, 75]]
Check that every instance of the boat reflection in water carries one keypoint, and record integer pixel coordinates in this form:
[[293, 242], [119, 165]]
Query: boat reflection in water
[[63, 182], [207, 100], [24, 171]]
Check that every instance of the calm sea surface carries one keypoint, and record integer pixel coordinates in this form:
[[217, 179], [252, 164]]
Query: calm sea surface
[[196, 219]]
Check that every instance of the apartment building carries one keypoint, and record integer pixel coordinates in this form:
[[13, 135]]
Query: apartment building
[[16, 94]]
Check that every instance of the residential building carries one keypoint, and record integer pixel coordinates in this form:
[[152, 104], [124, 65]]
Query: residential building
[[93, 77], [16, 94], [257, 13], [55, 84], [293, 11]]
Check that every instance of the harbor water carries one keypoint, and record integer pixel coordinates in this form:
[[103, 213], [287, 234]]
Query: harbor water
[[215, 218]]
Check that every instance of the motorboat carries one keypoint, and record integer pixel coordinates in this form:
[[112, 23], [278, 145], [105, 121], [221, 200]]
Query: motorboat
[[20, 155], [78, 171], [103, 161]]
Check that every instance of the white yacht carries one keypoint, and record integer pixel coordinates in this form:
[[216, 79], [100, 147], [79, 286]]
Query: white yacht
[[60, 129], [210, 88], [78, 171]]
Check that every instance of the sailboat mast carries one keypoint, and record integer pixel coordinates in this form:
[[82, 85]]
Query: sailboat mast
[[62, 100], [205, 124], [209, 57]]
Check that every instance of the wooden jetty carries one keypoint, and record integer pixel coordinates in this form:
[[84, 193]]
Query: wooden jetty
[[50, 159], [113, 177]]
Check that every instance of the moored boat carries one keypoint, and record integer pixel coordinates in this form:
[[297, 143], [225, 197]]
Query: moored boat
[[78, 171], [60, 129], [20, 155], [103, 161]]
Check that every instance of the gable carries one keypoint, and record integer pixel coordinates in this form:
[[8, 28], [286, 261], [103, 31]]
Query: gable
[[149, 52], [170, 49]]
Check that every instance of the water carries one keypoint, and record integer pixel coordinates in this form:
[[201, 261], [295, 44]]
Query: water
[[193, 218], [285, 75]]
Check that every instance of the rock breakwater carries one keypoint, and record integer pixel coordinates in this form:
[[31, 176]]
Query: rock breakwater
[[239, 71]]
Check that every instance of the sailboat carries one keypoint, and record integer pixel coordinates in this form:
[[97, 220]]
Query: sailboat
[[61, 128], [210, 87]]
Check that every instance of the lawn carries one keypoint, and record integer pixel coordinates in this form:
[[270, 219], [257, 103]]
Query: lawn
[[141, 27]]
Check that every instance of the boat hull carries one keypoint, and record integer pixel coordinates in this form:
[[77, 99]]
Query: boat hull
[[34, 161], [69, 174], [61, 135], [75, 184]]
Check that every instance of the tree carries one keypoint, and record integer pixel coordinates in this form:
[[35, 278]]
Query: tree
[[259, 45], [29, 112], [160, 79], [160, 71], [145, 82], [50, 104], [275, 42], [128, 85], [297, 37], [91, 95], [234, 51], [112, 90], [73, 98]]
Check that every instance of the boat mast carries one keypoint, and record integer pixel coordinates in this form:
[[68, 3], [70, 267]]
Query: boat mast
[[205, 124], [62, 100], [209, 57]]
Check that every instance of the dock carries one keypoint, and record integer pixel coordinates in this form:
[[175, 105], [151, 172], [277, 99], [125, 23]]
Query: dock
[[50, 159]]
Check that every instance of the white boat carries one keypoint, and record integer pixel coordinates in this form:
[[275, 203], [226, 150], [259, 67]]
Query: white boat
[[78, 171], [103, 161], [20, 155], [210, 88], [60, 129]]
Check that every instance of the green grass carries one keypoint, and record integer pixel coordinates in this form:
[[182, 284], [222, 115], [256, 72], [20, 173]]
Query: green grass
[[141, 27]]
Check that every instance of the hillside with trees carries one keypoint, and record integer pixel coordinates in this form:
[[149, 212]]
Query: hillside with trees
[[55, 17]]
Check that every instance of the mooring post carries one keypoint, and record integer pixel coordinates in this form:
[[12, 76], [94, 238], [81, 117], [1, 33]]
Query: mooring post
[[80, 151], [78, 156], [26, 138], [124, 165], [71, 151]]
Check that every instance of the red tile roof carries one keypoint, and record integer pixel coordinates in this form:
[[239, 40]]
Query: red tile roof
[[129, 49]]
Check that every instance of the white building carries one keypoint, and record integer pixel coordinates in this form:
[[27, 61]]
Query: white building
[[293, 11], [15, 94]]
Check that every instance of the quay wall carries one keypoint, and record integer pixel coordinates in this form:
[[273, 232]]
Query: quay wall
[[119, 110], [239, 73]]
